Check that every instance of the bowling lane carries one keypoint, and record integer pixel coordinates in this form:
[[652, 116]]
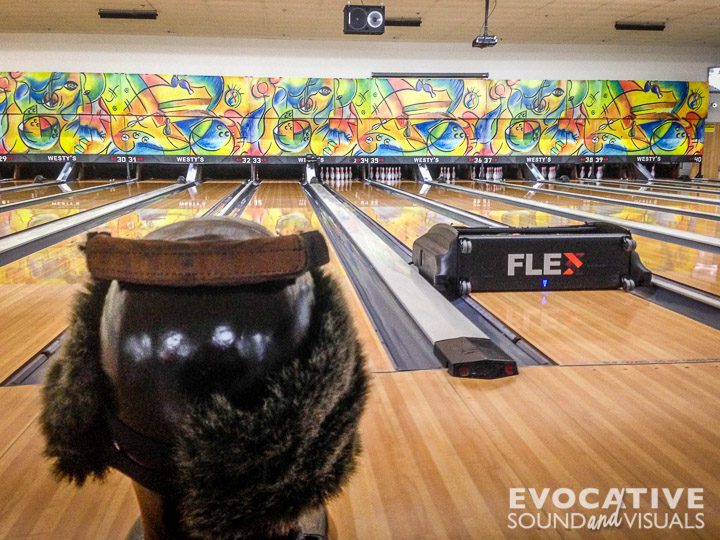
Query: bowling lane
[[649, 191], [283, 208], [16, 183], [571, 327], [645, 197], [16, 196], [40, 190], [692, 189], [20, 219], [510, 215], [660, 189], [693, 267], [618, 210], [36, 291], [25, 187]]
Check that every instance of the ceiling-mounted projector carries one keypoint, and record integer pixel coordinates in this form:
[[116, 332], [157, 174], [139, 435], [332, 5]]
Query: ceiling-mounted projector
[[485, 41]]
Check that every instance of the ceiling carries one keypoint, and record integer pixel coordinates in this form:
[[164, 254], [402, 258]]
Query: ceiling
[[688, 22]]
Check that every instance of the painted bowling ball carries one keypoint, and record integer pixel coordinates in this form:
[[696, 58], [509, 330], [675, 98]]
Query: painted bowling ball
[[669, 138], [210, 135], [165, 347], [292, 135], [523, 135], [695, 100], [39, 132], [140, 142], [613, 139], [447, 137]]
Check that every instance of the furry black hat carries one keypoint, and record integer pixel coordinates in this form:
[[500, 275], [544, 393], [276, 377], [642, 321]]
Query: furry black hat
[[237, 473]]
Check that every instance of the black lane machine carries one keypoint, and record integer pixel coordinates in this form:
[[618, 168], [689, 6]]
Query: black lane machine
[[461, 260]]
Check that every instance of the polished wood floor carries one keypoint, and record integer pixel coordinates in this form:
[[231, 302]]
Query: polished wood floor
[[555, 194], [33, 504], [37, 289], [602, 327], [440, 454], [13, 221], [41, 308]]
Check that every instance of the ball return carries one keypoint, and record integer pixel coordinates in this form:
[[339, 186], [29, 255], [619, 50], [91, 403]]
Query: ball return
[[461, 260]]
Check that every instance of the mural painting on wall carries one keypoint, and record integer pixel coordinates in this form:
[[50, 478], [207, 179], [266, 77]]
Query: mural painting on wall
[[130, 114]]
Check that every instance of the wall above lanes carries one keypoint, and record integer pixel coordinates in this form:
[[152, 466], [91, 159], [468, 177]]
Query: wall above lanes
[[289, 57], [91, 115]]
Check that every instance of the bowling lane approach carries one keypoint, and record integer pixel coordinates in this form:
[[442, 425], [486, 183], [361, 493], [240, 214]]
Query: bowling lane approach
[[7, 197]]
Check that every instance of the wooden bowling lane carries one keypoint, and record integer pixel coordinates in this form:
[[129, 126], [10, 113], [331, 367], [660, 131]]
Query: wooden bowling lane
[[655, 189], [602, 327], [570, 327], [511, 215], [20, 219], [283, 208], [659, 187], [695, 189], [16, 196], [440, 454], [41, 190], [21, 182], [36, 291], [693, 267], [707, 227], [34, 504], [644, 197]]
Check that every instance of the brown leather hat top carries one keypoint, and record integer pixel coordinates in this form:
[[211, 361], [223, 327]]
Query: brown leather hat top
[[205, 262]]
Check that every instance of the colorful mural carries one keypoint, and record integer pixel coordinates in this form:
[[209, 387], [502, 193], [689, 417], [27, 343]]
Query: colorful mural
[[185, 115]]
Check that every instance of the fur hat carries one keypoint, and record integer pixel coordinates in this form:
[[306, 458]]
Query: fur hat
[[237, 472]]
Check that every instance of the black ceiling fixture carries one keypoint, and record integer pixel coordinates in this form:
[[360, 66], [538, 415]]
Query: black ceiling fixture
[[127, 13], [643, 26], [485, 40], [361, 19]]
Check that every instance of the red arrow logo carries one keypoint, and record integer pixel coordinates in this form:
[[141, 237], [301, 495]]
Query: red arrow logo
[[573, 262]]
